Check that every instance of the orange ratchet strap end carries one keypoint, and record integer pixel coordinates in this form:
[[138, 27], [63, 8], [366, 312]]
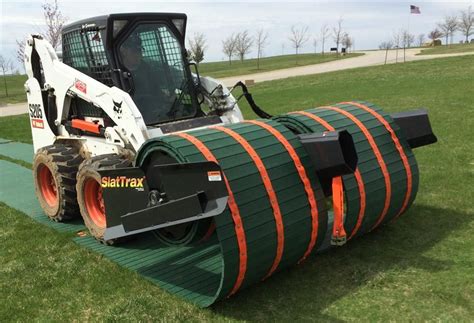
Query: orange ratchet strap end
[[339, 236]]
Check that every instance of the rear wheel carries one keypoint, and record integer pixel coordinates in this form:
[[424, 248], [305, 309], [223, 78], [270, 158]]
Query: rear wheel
[[89, 192], [54, 172]]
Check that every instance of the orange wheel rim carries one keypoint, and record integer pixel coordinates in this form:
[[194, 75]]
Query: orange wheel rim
[[94, 202], [47, 185]]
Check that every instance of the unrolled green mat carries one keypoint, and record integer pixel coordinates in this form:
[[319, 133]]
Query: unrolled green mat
[[16, 150]]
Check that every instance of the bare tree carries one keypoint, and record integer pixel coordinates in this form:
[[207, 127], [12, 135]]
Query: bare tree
[[466, 23], [346, 41], [407, 39], [386, 45], [324, 34], [260, 41], [20, 52], [55, 22], [315, 45], [448, 26], [298, 37], [228, 47], [197, 46], [337, 33], [434, 35], [396, 40], [5, 65], [421, 40], [243, 44]]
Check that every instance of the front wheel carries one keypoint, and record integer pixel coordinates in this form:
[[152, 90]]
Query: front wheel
[[89, 192], [54, 172]]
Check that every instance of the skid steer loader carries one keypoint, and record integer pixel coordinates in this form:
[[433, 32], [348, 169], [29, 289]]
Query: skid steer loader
[[128, 137]]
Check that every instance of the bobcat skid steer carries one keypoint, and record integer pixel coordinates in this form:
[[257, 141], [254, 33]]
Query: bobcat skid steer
[[123, 79]]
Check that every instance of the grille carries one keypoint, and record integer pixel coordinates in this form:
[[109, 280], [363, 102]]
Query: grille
[[84, 50]]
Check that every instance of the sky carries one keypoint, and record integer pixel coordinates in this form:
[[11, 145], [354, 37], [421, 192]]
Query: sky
[[368, 22]]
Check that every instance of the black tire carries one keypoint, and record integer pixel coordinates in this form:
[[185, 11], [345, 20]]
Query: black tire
[[54, 172], [89, 192]]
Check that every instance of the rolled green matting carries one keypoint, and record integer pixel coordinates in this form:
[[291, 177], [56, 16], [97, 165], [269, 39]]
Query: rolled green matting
[[254, 206], [367, 163], [16, 150]]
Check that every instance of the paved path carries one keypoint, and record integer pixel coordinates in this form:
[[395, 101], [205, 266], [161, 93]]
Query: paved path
[[13, 109], [371, 58]]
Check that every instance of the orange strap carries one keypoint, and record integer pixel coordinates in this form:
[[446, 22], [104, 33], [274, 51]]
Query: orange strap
[[270, 191], [358, 176], [304, 179], [338, 232], [378, 155], [209, 232], [234, 210], [360, 217], [399, 147]]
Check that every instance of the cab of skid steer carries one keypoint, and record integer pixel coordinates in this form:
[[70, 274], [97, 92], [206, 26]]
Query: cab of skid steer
[[141, 53]]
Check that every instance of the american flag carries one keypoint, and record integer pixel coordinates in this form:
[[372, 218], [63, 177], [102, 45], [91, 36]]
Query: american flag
[[415, 10]]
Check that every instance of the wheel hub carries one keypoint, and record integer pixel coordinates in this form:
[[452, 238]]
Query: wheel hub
[[47, 185], [94, 202]]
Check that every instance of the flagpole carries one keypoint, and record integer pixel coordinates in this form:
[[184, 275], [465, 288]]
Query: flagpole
[[408, 35]]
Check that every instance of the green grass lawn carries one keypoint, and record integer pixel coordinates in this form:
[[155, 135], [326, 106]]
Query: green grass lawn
[[448, 49], [249, 66], [16, 91], [419, 268]]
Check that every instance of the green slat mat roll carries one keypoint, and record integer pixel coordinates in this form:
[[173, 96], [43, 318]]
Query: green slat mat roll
[[371, 173], [255, 210]]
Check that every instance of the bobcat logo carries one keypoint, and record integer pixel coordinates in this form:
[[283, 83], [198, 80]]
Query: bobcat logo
[[118, 108]]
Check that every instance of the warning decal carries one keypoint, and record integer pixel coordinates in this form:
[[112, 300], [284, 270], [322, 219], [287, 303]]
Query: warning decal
[[37, 123], [214, 176]]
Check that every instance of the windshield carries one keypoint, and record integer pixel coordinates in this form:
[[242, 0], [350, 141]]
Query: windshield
[[161, 88]]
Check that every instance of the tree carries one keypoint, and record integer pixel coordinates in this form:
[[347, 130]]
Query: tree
[[20, 52], [197, 46], [260, 41], [55, 22], [315, 44], [243, 44], [466, 23], [5, 65], [229, 47], [337, 34], [435, 34], [298, 37], [448, 26], [421, 40], [397, 37], [324, 34], [407, 39], [386, 45], [346, 41]]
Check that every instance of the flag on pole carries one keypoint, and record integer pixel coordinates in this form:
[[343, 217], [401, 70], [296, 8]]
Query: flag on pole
[[415, 10]]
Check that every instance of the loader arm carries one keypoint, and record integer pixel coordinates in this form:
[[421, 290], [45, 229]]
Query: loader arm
[[47, 75]]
